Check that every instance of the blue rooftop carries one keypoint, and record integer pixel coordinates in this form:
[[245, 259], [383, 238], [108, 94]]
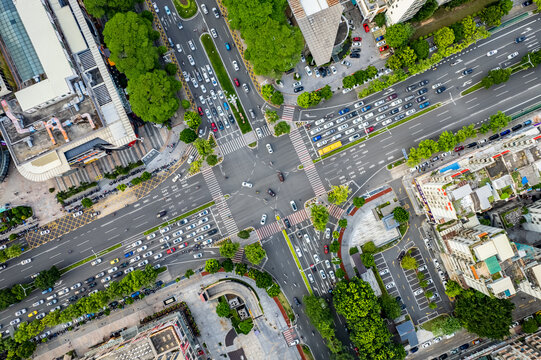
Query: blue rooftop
[[453, 166]]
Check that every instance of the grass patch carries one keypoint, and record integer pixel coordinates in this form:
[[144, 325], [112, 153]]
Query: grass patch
[[403, 228], [300, 167], [307, 353], [396, 163], [292, 250], [376, 133], [179, 217], [90, 258], [445, 17], [287, 307], [185, 11], [227, 85], [252, 145], [379, 280], [429, 325]]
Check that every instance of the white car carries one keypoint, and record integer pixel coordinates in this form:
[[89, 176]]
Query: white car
[[148, 254], [327, 233], [214, 33], [207, 242], [359, 104], [510, 56], [191, 235], [128, 270], [20, 312], [263, 219], [319, 122], [38, 303], [381, 117], [426, 344], [135, 259], [189, 227], [142, 263], [356, 43], [157, 256], [387, 122], [336, 137], [151, 236], [381, 43], [206, 227], [435, 86], [176, 177], [328, 125], [178, 233], [213, 94], [220, 94], [436, 340], [418, 292], [45, 232], [142, 248], [203, 220], [137, 243], [156, 8], [247, 184], [78, 213], [191, 44], [179, 49], [343, 127], [331, 274], [191, 60], [63, 291], [379, 102], [349, 131], [327, 264], [199, 238], [76, 286], [316, 71], [384, 271], [176, 241], [421, 268], [198, 255], [333, 69], [112, 270], [436, 263], [307, 238], [314, 131], [162, 230], [269, 148], [99, 275], [235, 65], [322, 273], [204, 9], [396, 102], [15, 321], [298, 251], [390, 285], [310, 277], [26, 261], [259, 132], [308, 71], [165, 238], [492, 52], [316, 258], [410, 112]]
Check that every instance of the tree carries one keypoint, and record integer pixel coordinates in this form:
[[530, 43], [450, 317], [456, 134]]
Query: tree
[[153, 96], [319, 216], [170, 69], [447, 141], [349, 81], [325, 92], [335, 234], [496, 77], [453, 289], [491, 15], [282, 128], [273, 290], [498, 121], [86, 202], [189, 273], [426, 148], [244, 234], [445, 325], [47, 278], [444, 37], [271, 116], [192, 119], [334, 247], [212, 266], [426, 11], [368, 260], [212, 160], [458, 31], [245, 326], [483, 315], [99, 8], [421, 48], [203, 147], [505, 6], [390, 306], [187, 136], [394, 62], [380, 19], [307, 99], [469, 28], [400, 214], [255, 253], [320, 315], [432, 305], [358, 201], [277, 98], [130, 38], [228, 248], [530, 326], [185, 104], [340, 273], [267, 91], [263, 279], [25, 349], [240, 269], [338, 194], [398, 34], [423, 283], [228, 265], [13, 251], [409, 263], [343, 223], [223, 309]]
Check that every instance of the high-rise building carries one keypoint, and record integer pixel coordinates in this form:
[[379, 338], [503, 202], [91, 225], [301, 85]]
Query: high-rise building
[[65, 110], [402, 10]]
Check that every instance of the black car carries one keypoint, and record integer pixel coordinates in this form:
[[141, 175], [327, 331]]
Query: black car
[[161, 213], [464, 346], [117, 274], [422, 98], [231, 118], [394, 111], [467, 71], [520, 39], [355, 55], [411, 87], [422, 91], [297, 302], [527, 3], [3, 266], [473, 144], [423, 83], [441, 89], [351, 114], [271, 193], [124, 264], [220, 125], [73, 298], [443, 356], [212, 232], [323, 72], [516, 127], [298, 89], [90, 279], [414, 349], [91, 285], [408, 105], [401, 255], [158, 283], [494, 137], [286, 221], [214, 112]]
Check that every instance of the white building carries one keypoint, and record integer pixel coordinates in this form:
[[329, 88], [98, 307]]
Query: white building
[[402, 10]]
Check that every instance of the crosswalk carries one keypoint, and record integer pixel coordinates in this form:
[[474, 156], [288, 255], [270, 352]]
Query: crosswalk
[[335, 211], [265, 130], [287, 113], [221, 204], [268, 230], [290, 335], [231, 145], [306, 161], [298, 217]]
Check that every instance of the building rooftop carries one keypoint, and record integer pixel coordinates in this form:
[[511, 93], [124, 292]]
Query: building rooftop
[[406, 331]]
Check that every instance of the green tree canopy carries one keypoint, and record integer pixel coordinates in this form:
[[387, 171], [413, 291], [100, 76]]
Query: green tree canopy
[[409, 263], [421, 48], [192, 119], [394, 62], [99, 8], [445, 325], [271, 115], [390, 306], [498, 121], [446, 141], [47, 278], [359, 201], [339, 194], [277, 98], [453, 289], [153, 96], [187, 135], [484, 315], [229, 248], [343, 223], [282, 128], [530, 326], [320, 315], [308, 99], [444, 37], [273, 290], [491, 15], [426, 11], [266, 91], [400, 214], [223, 309], [212, 159], [398, 34], [368, 259], [241, 269], [255, 253], [458, 31], [334, 247], [380, 19], [130, 38], [203, 147], [212, 266], [319, 216], [87, 203]]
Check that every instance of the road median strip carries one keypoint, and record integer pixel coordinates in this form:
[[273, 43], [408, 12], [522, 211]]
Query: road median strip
[[179, 218], [297, 261], [90, 258], [376, 133]]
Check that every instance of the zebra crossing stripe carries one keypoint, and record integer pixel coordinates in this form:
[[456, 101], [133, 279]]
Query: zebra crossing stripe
[[232, 145], [221, 204], [306, 160], [287, 113], [298, 217], [335, 211], [268, 230]]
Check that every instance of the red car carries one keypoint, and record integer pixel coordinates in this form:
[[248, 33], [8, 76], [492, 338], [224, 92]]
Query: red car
[[237, 83], [200, 111], [383, 48], [369, 130], [459, 148], [171, 250], [366, 27], [326, 249], [392, 96], [357, 39], [213, 126]]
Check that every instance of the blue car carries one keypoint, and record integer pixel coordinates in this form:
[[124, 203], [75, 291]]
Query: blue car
[[47, 291], [366, 108], [316, 138], [527, 122], [505, 132], [135, 294], [380, 38], [126, 255], [227, 46], [343, 111], [425, 104], [226, 106]]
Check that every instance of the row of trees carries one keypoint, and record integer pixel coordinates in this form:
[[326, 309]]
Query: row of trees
[[319, 312], [130, 38], [447, 140], [253, 252], [100, 8], [273, 46], [21, 346], [309, 99], [269, 93], [11, 252], [359, 77], [496, 77]]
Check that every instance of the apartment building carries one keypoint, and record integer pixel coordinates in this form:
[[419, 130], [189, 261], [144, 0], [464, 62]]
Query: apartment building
[[528, 348]]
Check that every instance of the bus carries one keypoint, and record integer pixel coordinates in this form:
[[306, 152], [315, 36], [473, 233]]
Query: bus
[[328, 149]]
